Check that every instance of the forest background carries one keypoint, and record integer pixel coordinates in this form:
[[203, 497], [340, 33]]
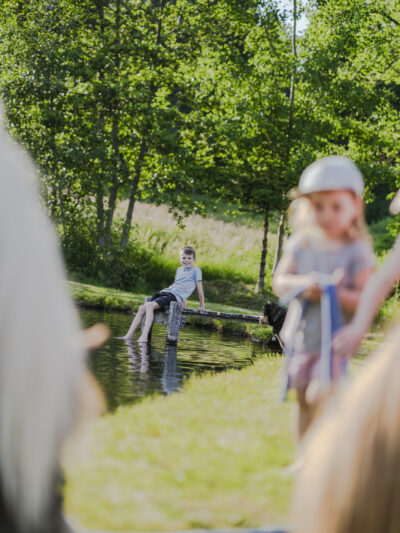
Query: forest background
[[210, 108]]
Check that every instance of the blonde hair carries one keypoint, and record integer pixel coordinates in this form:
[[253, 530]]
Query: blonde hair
[[42, 358], [350, 482], [302, 220]]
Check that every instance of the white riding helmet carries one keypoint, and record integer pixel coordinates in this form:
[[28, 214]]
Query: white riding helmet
[[331, 173]]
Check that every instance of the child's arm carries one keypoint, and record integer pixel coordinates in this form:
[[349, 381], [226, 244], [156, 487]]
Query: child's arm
[[200, 293], [285, 280], [350, 298], [348, 339]]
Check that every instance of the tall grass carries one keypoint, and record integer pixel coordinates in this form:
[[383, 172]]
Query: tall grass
[[224, 249]]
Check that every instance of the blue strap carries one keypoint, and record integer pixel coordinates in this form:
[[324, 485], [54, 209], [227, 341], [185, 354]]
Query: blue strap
[[331, 321]]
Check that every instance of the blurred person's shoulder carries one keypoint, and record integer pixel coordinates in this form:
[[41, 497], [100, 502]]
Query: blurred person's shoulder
[[296, 243]]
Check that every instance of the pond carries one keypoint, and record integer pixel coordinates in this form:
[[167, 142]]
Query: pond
[[128, 371]]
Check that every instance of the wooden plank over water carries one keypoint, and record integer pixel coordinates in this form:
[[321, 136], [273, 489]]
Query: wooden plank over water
[[161, 317], [175, 318], [219, 315]]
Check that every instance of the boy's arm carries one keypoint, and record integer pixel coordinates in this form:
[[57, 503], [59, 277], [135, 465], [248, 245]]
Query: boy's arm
[[200, 292]]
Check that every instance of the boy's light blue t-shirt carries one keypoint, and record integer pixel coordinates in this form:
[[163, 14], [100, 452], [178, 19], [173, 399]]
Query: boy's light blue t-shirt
[[185, 282]]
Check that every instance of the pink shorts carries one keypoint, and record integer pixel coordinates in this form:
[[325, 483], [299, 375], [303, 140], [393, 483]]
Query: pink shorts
[[305, 367]]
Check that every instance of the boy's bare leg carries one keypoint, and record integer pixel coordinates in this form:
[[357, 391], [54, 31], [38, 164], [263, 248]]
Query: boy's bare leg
[[150, 308], [136, 322]]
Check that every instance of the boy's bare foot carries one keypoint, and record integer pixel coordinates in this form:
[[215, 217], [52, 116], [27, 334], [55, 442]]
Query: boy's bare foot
[[142, 339]]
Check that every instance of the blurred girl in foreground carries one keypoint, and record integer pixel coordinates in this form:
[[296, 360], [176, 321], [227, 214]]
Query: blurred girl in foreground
[[44, 386], [329, 241]]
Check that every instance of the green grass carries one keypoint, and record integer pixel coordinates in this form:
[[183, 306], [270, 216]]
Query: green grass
[[212, 456], [92, 296]]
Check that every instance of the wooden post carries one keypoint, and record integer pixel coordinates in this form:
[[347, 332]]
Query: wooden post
[[174, 321], [147, 299]]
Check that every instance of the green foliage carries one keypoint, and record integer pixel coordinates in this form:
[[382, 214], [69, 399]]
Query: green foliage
[[192, 104], [111, 267], [385, 233], [351, 80], [143, 99]]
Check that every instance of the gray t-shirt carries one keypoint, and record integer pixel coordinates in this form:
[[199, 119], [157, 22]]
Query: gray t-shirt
[[185, 282], [352, 258]]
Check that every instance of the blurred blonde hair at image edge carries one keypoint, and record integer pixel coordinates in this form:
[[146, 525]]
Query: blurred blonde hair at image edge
[[350, 481], [44, 384]]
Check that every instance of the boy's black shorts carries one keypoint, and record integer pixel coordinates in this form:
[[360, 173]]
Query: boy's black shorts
[[163, 299]]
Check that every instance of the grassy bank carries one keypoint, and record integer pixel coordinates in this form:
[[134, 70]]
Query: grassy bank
[[227, 252], [91, 296], [212, 456]]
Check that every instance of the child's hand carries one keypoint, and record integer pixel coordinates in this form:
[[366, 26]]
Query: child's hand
[[337, 276], [346, 341], [313, 292]]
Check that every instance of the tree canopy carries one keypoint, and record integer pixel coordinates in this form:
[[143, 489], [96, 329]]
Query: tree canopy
[[189, 102]]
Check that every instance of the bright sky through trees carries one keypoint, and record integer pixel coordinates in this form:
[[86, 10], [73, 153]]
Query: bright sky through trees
[[288, 6]]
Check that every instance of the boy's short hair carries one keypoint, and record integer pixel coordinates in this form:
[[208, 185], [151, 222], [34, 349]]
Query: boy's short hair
[[188, 250]]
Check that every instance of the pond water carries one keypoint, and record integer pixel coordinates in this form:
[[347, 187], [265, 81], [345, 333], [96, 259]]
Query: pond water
[[128, 371]]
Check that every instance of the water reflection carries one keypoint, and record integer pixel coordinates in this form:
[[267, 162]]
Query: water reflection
[[128, 371], [139, 354], [172, 375]]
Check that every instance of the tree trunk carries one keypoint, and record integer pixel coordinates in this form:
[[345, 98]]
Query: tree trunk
[[279, 245], [100, 214], [261, 276], [112, 200], [294, 70], [100, 187], [143, 144], [132, 197]]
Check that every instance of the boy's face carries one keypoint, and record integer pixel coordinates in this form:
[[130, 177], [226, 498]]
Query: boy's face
[[186, 260]]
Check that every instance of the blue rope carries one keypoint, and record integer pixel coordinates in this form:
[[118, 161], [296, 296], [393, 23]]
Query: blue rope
[[331, 321]]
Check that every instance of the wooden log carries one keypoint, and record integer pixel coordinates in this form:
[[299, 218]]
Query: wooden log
[[219, 315], [161, 317], [174, 321]]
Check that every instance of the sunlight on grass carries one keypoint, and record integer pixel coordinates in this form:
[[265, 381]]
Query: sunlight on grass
[[212, 456]]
